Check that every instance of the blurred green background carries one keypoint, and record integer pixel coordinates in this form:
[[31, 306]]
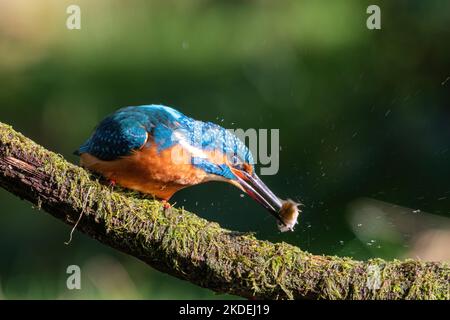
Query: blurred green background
[[363, 118]]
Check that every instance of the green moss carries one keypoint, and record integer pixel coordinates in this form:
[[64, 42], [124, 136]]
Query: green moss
[[184, 245]]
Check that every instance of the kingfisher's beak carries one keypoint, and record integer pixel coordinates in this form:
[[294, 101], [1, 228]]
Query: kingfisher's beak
[[258, 191]]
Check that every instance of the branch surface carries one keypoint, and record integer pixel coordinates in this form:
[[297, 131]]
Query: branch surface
[[181, 244]]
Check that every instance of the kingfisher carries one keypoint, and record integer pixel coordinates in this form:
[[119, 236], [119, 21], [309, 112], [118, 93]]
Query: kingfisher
[[157, 150]]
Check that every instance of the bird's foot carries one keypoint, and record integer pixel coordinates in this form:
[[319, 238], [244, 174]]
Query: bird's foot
[[166, 205]]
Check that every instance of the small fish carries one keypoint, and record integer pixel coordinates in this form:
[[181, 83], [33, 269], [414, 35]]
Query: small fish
[[288, 215]]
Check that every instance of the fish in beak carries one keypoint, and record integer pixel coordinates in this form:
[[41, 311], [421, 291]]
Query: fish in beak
[[285, 211]]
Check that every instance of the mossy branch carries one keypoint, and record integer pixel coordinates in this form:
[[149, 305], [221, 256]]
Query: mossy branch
[[182, 244]]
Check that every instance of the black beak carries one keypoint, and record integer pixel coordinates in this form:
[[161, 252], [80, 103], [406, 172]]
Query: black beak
[[258, 191]]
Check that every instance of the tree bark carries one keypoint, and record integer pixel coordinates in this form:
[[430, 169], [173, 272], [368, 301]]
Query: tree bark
[[180, 243]]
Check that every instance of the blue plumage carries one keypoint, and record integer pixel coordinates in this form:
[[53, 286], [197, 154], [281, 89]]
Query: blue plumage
[[130, 128], [218, 169]]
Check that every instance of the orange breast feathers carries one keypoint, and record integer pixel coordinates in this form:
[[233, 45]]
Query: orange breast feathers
[[157, 173]]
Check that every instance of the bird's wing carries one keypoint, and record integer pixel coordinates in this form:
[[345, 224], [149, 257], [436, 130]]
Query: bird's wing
[[128, 130]]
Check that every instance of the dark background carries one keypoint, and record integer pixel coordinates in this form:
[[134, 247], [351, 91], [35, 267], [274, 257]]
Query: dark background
[[363, 118]]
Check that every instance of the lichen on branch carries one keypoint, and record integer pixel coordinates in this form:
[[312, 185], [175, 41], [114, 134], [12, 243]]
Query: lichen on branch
[[188, 247]]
